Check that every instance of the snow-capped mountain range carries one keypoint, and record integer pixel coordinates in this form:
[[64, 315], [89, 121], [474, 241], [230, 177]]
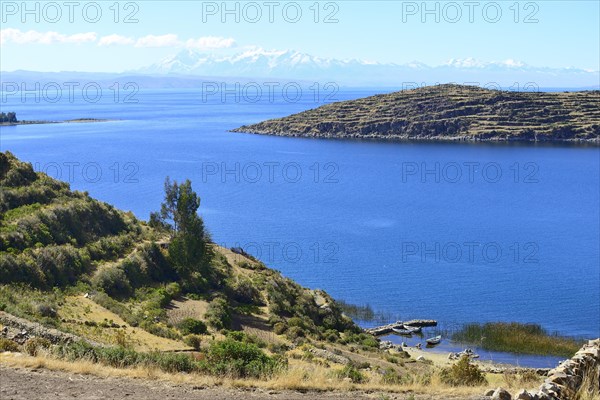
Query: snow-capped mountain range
[[289, 64]]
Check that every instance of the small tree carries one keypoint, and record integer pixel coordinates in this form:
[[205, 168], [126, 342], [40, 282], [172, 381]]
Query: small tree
[[178, 214]]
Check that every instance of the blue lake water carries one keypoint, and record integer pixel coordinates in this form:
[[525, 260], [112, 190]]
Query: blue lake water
[[447, 231]]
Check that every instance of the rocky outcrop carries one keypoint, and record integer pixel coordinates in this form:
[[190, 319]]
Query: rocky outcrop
[[564, 381]]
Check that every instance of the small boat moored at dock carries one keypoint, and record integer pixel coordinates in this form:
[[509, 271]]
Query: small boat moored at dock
[[413, 329], [402, 331]]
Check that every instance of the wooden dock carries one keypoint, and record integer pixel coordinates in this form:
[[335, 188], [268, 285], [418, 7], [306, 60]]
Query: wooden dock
[[385, 329]]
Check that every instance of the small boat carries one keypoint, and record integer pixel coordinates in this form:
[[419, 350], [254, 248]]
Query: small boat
[[434, 340], [413, 329], [403, 332]]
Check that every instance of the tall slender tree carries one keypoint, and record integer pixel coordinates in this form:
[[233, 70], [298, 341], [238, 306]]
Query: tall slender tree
[[179, 215]]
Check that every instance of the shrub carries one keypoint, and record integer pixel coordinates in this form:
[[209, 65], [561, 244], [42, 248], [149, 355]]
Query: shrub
[[390, 376], [160, 330], [33, 345], [463, 373], [350, 372], [245, 338], [190, 326], [61, 265], [9, 345], [173, 289], [278, 348], [121, 338], [331, 335], [113, 281], [245, 292], [295, 332], [279, 328], [296, 321], [194, 341], [362, 338], [218, 314], [46, 310], [239, 360], [371, 342], [120, 357], [171, 362]]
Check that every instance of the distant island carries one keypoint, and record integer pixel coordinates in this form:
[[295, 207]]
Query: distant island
[[448, 112], [10, 119]]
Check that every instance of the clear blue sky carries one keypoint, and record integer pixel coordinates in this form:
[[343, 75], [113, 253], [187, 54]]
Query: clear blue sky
[[566, 32]]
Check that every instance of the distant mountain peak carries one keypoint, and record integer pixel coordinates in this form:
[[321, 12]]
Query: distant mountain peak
[[257, 62]]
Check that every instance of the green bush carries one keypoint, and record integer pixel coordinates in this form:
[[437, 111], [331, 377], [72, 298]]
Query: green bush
[[296, 322], [390, 376], [246, 338], [370, 341], [194, 341], [351, 372], [246, 293], [279, 328], [218, 314], [160, 330], [331, 335], [9, 345], [192, 326], [173, 289], [113, 281], [363, 339], [120, 357], [171, 362], [46, 310], [236, 359], [463, 373], [295, 332]]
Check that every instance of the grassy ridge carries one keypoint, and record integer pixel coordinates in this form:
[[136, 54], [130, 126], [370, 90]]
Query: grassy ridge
[[517, 338]]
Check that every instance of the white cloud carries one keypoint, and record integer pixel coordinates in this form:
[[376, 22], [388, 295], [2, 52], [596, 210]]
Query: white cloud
[[210, 42], [115, 39], [11, 35], [168, 40], [475, 63], [19, 37]]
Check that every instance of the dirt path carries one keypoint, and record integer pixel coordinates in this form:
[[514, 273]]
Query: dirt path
[[41, 384]]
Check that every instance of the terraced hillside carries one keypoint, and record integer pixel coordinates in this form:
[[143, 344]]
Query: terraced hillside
[[448, 112], [57, 245], [51, 236]]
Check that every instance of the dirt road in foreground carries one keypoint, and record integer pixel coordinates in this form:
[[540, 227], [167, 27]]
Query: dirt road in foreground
[[40, 384]]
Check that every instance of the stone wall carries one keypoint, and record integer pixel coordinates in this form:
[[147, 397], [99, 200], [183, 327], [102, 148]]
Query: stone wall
[[20, 330], [564, 381]]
